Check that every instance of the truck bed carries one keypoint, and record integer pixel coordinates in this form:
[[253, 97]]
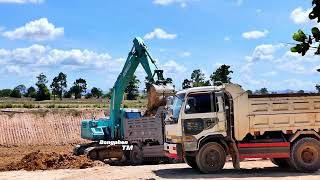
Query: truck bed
[[144, 129], [284, 112]]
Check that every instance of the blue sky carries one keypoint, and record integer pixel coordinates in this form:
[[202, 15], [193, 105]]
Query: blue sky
[[91, 39]]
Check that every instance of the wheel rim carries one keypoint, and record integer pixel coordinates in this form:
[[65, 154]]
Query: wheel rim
[[135, 155], [309, 155], [211, 158]]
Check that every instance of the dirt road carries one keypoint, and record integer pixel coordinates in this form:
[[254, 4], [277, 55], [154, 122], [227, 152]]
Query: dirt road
[[266, 170]]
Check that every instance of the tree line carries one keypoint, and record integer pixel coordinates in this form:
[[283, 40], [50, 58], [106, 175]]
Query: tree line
[[58, 89], [78, 90]]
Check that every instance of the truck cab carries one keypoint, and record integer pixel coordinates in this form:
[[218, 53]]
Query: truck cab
[[196, 113]]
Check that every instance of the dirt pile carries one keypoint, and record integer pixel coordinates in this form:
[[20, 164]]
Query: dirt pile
[[44, 161]]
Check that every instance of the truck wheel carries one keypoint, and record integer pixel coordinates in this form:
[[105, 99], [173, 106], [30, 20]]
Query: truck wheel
[[305, 155], [136, 156], [281, 162], [191, 161], [211, 158]]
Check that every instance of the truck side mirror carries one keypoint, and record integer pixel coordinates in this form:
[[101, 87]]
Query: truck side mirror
[[187, 108]]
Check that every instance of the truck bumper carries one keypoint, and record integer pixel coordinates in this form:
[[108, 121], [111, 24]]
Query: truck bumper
[[173, 150]]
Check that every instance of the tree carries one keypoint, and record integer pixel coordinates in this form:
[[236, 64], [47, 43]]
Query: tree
[[318, 88], [249, 92], [304, 41], [221, 74], [5, 92], [43, 92], [58, 85], [132, 88], [169, 80], [18, 91], [55, 87], [22, 88], [42, 79], [197, 78], [67, 94], [79, 87], [96, 92], [31, 92], [207, 83], [15, 93], [186, 84], [88, 95], [108, 94], [301, 91], [261, 91]]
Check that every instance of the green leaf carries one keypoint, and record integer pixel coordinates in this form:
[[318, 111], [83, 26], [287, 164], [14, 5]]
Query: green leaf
[[316, 33], [294, 49], [299, 36]]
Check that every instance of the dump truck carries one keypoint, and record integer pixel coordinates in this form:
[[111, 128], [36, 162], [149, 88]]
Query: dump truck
[[127, 135], [208, 124]]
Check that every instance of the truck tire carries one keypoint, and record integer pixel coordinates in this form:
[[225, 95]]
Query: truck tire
[[280, 162], [305, 155], [191, 161], [211, 158], [136, 156]]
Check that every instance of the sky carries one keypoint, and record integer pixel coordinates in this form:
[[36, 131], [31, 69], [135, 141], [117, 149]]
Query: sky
[[91, 40]]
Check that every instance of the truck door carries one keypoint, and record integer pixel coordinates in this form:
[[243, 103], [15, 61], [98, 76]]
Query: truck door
[[199, 113]]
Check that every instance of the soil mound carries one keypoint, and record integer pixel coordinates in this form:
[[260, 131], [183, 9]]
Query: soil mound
[[44, 161]]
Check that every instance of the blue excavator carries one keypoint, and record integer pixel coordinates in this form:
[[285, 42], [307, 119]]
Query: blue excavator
[[142, 135]]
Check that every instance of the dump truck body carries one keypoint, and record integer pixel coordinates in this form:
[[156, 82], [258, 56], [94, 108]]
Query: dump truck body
[[147, 134], [227, 120]]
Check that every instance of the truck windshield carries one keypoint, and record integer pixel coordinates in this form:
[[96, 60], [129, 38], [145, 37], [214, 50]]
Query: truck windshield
[[177, 103]]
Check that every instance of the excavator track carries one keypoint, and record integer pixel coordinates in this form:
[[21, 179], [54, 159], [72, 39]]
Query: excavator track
[[80, 148], [104, 152]]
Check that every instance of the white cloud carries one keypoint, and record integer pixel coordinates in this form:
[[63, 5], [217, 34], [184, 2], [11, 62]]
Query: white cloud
[[292, 83], [238, 2], [297, 64], [255, 34], [160, 34], [22, 1], [37, 30], [182, 3], [300, 16], [44, 56], [263, 52], [271, 73], [173, 68], [227, 38], [185, 54]]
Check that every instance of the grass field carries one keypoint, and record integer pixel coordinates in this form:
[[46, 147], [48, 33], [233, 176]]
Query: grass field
[[65, 103]]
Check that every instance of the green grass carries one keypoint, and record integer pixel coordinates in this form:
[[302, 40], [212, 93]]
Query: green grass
[[66, 103]]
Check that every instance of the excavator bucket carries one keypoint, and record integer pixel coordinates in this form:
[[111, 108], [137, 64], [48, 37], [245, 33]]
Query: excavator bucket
[[157, 97]]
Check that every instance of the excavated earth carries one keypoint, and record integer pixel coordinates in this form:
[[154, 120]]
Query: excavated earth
[[32, 158]]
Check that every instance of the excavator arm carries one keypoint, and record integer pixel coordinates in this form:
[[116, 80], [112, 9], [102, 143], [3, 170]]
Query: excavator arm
[[138, 55]]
